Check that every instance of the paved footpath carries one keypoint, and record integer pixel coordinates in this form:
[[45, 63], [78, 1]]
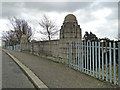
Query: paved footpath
[[12, 75], [56, 75]]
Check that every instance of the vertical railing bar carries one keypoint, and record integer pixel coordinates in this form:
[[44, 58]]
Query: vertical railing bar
[[96, 56], [17, 47], [82, 57], [74, 53], [106, 64], [87, 58], [114, 64], [119, 64], [14, 47], [90, 58], [93, 56], [110, 63], [99, 58], [78, 57], [102, 62], [70, 54]]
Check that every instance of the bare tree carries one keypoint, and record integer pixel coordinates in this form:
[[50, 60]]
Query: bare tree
[[49, 27], [19, 27], [9, 37]]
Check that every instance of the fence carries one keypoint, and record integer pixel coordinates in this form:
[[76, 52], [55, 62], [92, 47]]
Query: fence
[[97, 59], [15, 47]]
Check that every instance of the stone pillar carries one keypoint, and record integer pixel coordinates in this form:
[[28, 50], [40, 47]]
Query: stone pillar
[[23, 43], [70, 31]]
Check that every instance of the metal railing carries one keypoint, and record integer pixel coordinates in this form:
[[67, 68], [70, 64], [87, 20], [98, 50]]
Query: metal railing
[[14, 47], [97, 59]]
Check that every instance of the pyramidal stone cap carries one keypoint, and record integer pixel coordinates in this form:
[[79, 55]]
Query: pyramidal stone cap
[[70, 18]]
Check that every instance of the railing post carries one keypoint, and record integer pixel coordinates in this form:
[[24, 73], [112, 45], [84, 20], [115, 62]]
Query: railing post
[[76, 57], [96, 57], [119, 64], [110, 63], [82, 58], [114, 63], [102, 62], [99, 59], [106, 63], [93, 56], [87, 57], [70, 53], [90, 57]]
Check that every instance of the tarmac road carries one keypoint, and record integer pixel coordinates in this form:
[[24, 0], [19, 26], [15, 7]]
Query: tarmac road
[[12, 75]]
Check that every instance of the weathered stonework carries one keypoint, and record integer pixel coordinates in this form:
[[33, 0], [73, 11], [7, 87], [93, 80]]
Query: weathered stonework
[[70, 31], [70, 28], [23, 43]]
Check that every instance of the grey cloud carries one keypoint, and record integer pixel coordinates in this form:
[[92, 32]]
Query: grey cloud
[[114, 8], [108, 30], [99, 6], [113, 15], [85, 17], [109, 4], [112, 5], [11, 9], [15, 9], [57, 6]]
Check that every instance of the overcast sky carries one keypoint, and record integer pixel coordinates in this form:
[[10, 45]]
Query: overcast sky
[[101, 18]]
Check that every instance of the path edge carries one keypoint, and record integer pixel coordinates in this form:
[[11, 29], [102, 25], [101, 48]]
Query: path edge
[[33, 78]]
